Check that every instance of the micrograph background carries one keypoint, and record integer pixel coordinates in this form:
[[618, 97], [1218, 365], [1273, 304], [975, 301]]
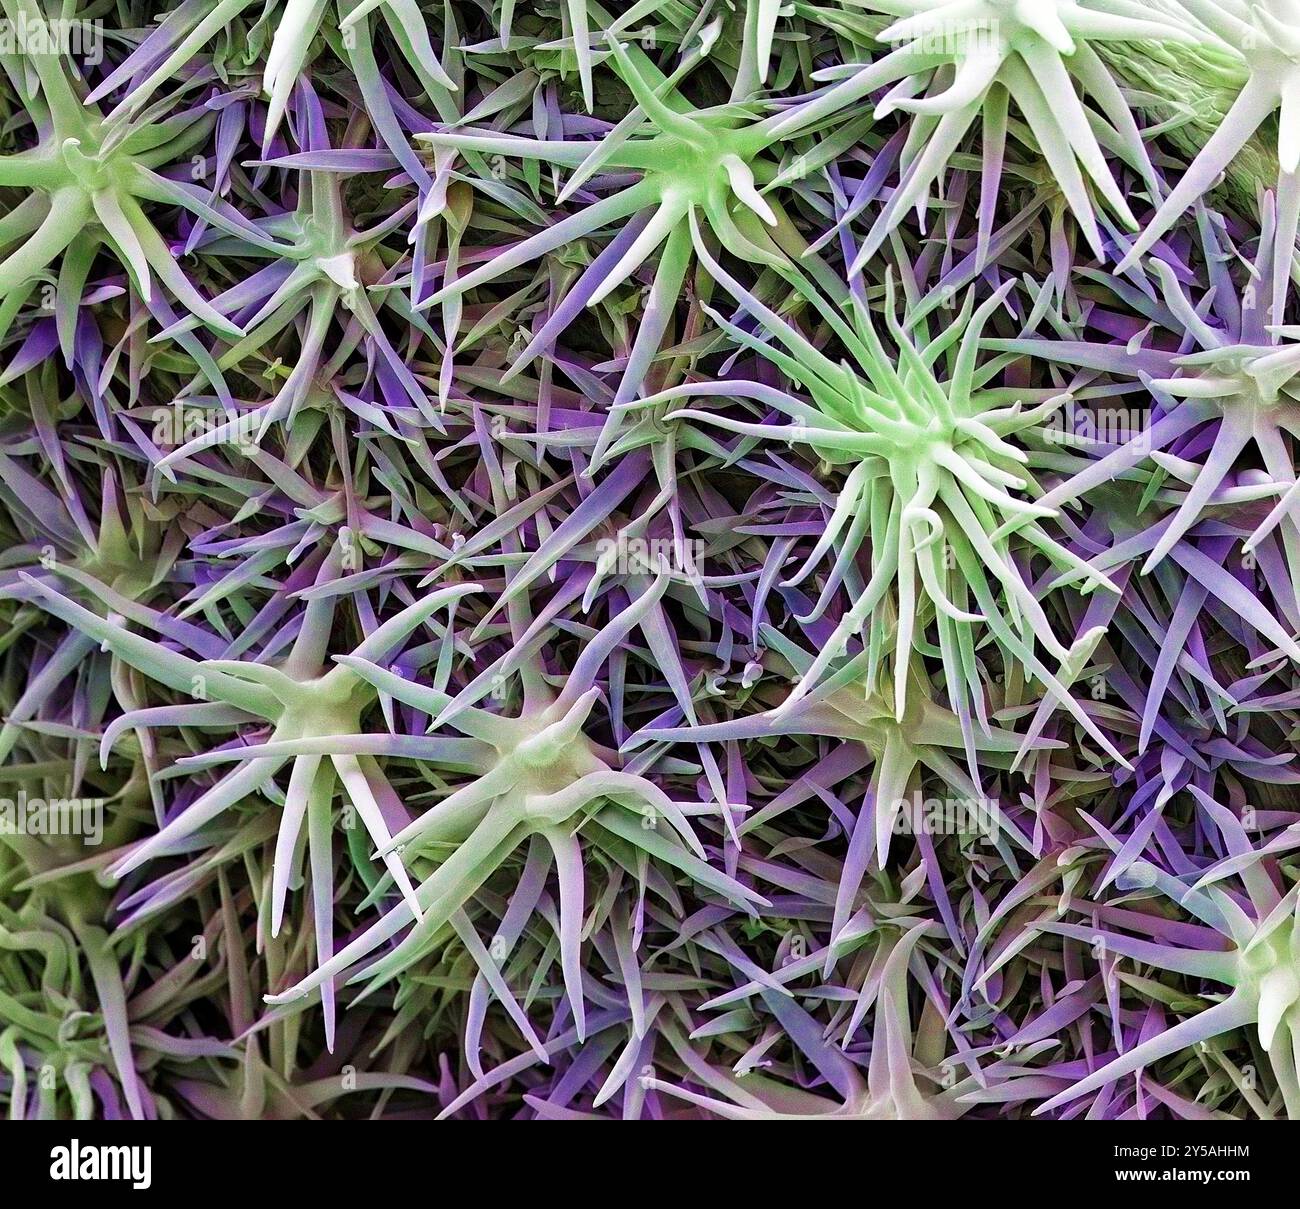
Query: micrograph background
[[691, 559]]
